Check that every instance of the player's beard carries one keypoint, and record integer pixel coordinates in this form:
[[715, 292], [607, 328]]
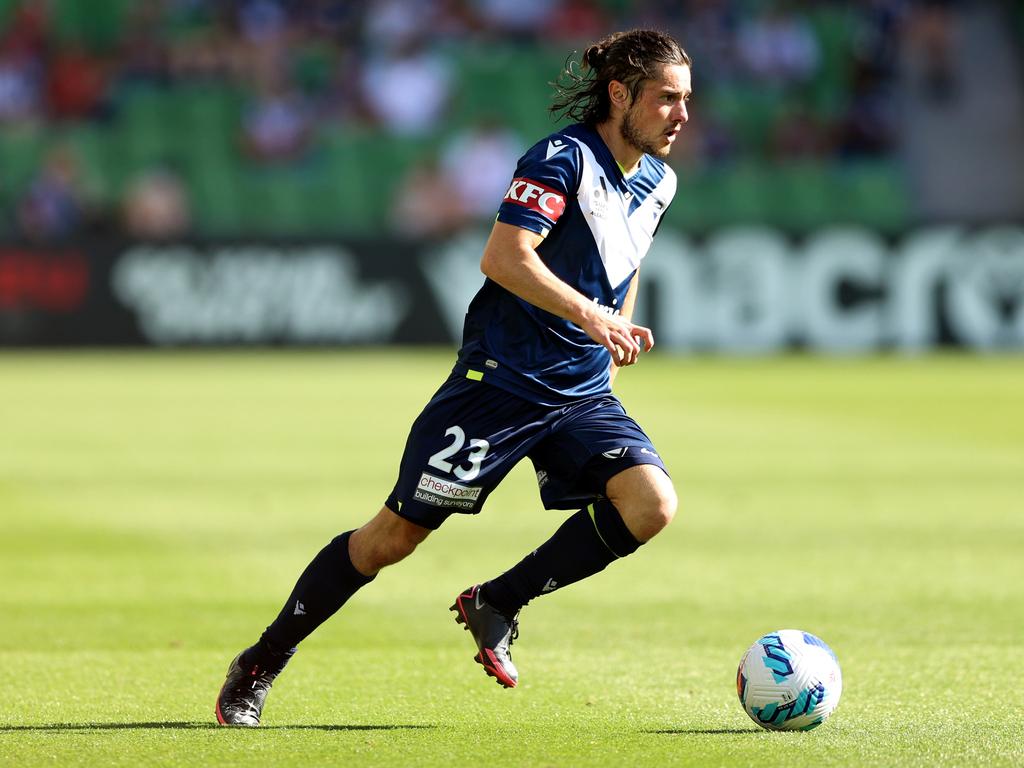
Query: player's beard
[[632, 136]]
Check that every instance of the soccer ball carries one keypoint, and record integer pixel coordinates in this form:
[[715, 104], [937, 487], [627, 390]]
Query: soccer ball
[[789, 681]]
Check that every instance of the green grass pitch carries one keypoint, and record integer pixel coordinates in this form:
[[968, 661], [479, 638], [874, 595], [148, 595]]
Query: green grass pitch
[[156, 508]]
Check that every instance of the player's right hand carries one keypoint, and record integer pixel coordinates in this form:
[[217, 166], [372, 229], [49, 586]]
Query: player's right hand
[[623, 340]]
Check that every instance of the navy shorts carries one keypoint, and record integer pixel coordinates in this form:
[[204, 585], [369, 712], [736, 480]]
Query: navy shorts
[[471, 434]]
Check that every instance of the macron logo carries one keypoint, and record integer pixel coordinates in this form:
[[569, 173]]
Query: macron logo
[[546, 201], [554, 147], [300, 609]]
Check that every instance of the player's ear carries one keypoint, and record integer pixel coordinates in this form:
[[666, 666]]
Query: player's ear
[[618, 93]]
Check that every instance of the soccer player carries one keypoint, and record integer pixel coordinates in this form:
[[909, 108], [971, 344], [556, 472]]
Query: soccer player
[[542, 342]]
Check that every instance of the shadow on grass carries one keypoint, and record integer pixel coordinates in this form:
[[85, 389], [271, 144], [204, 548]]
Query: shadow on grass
[[713, 731], [195, 726]]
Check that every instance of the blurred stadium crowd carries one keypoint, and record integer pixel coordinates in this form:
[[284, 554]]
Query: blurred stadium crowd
[[173, 118]]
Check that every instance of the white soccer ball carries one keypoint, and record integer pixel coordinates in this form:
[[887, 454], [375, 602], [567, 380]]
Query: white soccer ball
[[789, 681]]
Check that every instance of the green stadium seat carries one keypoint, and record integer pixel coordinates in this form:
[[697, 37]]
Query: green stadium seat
[[274, 201], [92, 147], [481, 85], [750, 112], [507, 82], [328, 210], [313, 66], [143, 124], [207, 110], [366, 171], [6, 8], [96, 23], [835, 29], [21, 151], [745, 193], [692, 210], [876, 195], [806, 196], [193, 129], [215, 187], [349, 203]]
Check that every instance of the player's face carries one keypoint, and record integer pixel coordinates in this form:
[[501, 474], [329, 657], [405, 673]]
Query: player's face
[[654, 119]]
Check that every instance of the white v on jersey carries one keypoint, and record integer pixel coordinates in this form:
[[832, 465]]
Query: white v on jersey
[[597, 227]]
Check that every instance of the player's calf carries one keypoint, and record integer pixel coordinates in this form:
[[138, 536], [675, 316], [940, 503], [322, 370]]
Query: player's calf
[[385, 540]]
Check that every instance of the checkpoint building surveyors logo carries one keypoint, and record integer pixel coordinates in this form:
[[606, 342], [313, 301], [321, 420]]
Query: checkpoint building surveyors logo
[[439, 492]]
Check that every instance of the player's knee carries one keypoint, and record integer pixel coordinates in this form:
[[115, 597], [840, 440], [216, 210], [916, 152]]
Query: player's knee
[[667, 506], [645, 498], [659, 510], [648, 513]]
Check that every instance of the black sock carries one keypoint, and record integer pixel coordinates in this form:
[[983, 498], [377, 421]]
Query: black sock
[[328, 581], [584, 545]]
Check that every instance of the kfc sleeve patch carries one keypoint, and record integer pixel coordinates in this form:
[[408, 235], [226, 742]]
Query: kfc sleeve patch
[[548, 202]]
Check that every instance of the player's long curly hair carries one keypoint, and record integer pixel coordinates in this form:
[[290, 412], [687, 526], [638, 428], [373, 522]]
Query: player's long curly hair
[[629, 57]]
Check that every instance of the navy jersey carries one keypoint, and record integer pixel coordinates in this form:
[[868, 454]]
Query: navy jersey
[[597, 226]]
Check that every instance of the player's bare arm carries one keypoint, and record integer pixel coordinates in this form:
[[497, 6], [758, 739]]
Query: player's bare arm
[[510, 259]]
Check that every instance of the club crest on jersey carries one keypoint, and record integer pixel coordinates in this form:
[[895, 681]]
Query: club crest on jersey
[[530, 194]]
